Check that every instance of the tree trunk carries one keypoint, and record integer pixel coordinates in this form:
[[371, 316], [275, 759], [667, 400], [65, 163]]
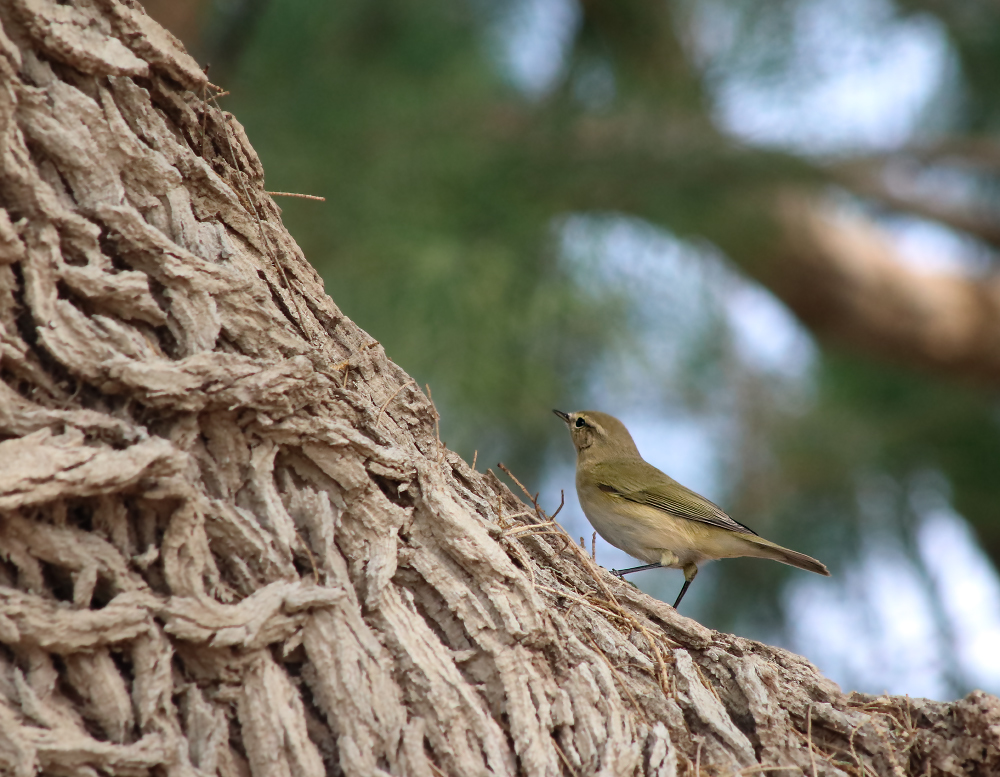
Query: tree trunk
[[230, 540]]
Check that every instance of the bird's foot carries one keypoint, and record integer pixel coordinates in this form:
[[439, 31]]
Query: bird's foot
[[617, 573]]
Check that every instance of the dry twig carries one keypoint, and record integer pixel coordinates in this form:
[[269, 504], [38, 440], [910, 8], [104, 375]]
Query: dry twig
[[385, 404], [298, 196]]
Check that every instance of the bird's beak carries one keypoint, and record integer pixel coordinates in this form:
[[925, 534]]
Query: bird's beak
[[562, 415]]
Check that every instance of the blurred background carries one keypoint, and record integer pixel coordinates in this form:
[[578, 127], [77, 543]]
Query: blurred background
[[761, 232]]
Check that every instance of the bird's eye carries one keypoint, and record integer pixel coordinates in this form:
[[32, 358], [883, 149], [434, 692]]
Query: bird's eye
[[580, 423]]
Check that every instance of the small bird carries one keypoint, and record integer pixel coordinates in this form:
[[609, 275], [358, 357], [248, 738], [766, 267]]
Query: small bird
[[651, 516]]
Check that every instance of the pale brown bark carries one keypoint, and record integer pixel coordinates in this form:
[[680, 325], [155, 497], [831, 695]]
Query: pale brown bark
[[230, 540]]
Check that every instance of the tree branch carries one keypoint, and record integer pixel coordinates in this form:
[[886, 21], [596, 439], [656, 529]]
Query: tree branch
[[844, 280], [868, 180]]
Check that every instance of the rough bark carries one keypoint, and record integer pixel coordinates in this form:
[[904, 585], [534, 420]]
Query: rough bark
[[230, 540]]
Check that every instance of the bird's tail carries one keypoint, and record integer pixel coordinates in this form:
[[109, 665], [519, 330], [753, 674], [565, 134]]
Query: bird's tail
[[768, 549]]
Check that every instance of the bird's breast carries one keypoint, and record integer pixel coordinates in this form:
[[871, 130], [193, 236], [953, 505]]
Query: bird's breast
[[645, 532], [639, 530]]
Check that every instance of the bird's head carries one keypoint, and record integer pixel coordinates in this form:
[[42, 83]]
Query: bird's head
[[597, 434]]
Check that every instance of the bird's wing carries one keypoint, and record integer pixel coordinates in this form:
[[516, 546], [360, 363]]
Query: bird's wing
[[665, 493]]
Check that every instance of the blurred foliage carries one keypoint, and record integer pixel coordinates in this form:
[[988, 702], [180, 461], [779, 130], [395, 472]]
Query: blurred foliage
[[442, 183], [447, 185], [867, 421], [436, 235]]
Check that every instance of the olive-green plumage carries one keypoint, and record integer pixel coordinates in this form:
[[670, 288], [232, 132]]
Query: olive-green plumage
[[651, 516]]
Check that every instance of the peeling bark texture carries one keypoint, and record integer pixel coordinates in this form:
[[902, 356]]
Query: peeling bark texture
[[843, 278], [230, 540]]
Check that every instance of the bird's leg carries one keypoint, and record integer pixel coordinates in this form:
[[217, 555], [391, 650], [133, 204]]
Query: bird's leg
[[690, 570], [643, 568]]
